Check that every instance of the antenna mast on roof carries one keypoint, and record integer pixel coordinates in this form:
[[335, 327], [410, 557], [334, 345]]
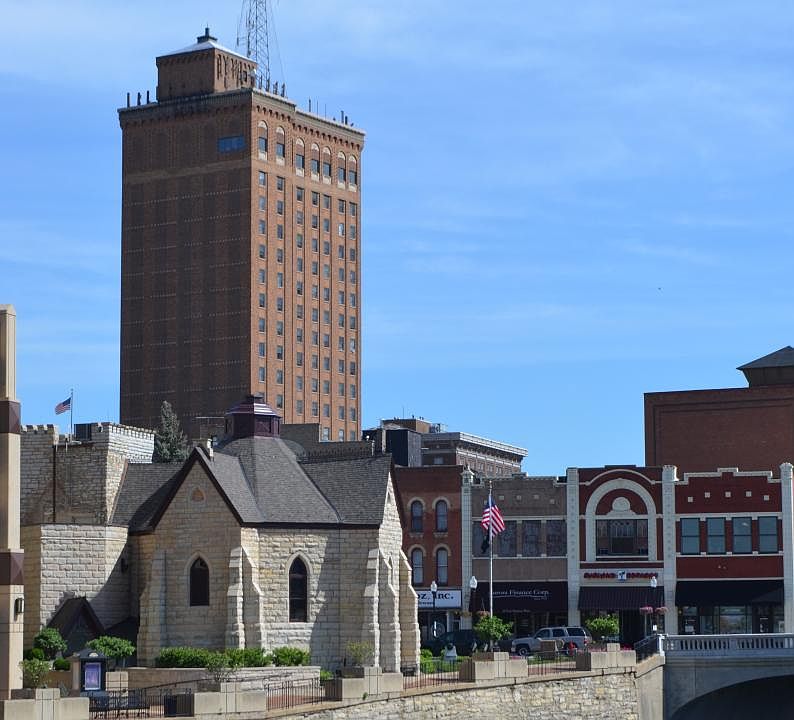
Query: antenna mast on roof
[[254, 35]]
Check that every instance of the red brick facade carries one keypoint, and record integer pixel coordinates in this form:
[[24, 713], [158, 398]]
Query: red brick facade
[[241, 253], [701, 430]]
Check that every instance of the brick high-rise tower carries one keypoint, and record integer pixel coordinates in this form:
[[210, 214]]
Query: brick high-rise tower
[[241, 250]]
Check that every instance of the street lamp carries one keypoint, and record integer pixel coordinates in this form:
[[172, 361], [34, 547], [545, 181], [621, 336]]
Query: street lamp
[[433, 591], [653, 583]]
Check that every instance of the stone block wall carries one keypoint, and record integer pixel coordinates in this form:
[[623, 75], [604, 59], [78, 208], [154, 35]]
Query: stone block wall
[[611, 696], [36, 443], [197, 523], [135, 444], [321, 551], [65, 560]]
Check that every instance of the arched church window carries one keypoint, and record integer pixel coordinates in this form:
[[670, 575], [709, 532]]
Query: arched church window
[[199, 583], [298, 591]]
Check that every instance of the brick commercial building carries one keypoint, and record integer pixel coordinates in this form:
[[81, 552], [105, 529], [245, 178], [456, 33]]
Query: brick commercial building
[[241, 250], [424, 443], [430, 500], [750, 428]]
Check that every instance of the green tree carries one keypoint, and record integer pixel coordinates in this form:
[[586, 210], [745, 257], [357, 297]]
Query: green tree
[[50, 642], [491, 629], [170, 443]]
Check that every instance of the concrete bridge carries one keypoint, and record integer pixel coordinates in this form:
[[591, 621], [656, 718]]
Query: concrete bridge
[[754, 675]]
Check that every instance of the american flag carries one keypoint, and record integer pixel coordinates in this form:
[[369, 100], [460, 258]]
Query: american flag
[[62, 407], [492, 517]]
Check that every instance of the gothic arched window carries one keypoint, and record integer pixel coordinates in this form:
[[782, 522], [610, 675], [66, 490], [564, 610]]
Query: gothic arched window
[[298, 591], [199, 583]]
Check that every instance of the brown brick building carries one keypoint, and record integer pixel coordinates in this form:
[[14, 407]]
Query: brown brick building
[[747, 428], [241, 262]]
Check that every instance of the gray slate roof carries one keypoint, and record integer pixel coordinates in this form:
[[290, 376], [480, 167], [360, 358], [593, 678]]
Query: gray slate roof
[[355, 487], [140, 481], [264, 483]]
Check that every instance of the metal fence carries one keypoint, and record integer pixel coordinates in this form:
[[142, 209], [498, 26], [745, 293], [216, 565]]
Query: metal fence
[[431, 672], [144, 703], [291, 693], [646, 647], [552, 663]]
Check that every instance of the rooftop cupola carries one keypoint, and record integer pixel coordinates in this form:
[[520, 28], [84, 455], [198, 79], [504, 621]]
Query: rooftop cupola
[[252, 417], [777, 368]]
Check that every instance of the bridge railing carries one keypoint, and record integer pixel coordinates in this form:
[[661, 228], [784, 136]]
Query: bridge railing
[[726, 645]]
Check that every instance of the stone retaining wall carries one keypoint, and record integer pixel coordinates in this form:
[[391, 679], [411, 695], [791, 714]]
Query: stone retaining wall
[[606, 695], [184, 678]]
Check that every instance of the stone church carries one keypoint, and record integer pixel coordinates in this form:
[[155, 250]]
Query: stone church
[[268, 538]]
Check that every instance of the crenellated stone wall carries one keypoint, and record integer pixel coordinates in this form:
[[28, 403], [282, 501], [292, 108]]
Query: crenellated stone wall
[[87, 472]]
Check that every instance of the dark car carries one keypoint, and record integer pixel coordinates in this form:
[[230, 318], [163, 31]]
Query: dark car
[[463, 640]]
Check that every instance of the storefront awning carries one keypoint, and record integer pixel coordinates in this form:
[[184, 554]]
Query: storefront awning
[[620, 597], [728, 592], [522, 597]]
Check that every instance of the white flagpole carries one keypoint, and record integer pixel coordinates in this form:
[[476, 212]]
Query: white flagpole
[[490, 545], [71, 411]]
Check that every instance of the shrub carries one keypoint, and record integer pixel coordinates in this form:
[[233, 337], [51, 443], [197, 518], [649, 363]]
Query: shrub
[[361, 653], [34, 653], [61, 664], [326, 675], [33, 672], [248, 657], [50, 642], [218, 665], [290, 656], [182, 657], [603, 627], [425, 654], [113, 647]]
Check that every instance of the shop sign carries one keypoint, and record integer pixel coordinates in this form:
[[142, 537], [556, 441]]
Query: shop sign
[[620, 575], [444, 599]]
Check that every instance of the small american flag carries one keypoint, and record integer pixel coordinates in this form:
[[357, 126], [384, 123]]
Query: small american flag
[[62, 407], [491, 517]]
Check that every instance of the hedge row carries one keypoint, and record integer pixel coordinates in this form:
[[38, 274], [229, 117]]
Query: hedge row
[[192, 657]]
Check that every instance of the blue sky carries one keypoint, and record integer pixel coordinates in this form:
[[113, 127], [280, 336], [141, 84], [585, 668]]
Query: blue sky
[[565, 204]]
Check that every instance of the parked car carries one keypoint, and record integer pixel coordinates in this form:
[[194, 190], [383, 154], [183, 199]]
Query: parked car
[[567, 638], [463, 640]]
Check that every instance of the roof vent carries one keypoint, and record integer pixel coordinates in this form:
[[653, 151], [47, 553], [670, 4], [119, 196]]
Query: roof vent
[[206, 37]]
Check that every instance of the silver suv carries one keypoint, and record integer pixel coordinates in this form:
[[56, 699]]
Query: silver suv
[[566, 637]]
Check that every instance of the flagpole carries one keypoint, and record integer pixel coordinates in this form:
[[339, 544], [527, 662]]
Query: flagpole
[[71, 411], [490, 554]]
